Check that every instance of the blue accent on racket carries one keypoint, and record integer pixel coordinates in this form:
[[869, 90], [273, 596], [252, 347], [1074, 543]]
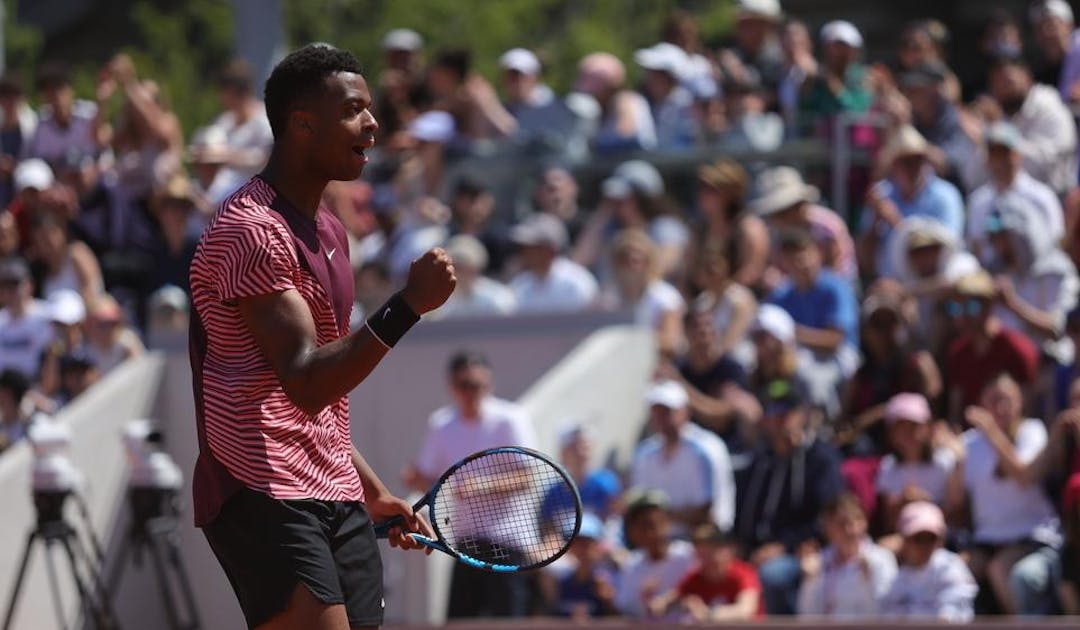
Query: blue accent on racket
[[502, 509]]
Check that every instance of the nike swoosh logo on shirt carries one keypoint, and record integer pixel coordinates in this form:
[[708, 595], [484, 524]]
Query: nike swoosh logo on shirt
[[330, 254]]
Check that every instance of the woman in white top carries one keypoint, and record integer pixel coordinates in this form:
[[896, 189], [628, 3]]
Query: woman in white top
[[108, 341], [730, 305], [69, 265], [1012, 520], [636, 285]]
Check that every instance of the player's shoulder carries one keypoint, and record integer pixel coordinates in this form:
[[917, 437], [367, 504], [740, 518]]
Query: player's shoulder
[[502, 410], [245, 216], [441, 418]]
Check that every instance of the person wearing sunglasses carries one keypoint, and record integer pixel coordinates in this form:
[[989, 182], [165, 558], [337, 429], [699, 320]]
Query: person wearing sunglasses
[[982, 346]]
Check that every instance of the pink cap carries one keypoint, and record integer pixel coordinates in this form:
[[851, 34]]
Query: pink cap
[[912, 407], [919, 517]]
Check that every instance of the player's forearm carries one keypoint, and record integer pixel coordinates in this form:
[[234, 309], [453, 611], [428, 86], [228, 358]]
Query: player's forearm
[[326, 373]]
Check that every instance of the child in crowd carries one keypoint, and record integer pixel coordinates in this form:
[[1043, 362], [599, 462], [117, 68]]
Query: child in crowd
[[932, 582], [917, 469], [584, 587], [720, 588], [658, 562], [849, 577]]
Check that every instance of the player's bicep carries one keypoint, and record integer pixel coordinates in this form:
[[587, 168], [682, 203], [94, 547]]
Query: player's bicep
[[283, 328]]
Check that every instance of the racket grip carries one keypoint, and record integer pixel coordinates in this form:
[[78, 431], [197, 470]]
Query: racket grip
[[382, 530]]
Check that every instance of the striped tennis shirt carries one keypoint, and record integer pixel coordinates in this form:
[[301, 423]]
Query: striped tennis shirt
[[250, 433]]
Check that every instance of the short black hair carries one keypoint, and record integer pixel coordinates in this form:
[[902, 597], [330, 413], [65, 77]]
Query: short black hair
[[301, 75], [1005, 59], [456, 60], [466, 359], [53, 74]]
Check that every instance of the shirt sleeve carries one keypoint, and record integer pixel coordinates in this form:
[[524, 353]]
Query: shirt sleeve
[[1030, 440], [254, 259]]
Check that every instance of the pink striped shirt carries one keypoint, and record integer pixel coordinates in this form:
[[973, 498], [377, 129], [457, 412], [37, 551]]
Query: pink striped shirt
[[250, 433]]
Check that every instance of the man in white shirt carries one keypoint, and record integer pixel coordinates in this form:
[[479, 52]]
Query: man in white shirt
[[548, 281], [67, 125], [25, 329], [1047, 129], [247, 130], [475, 421], [688, 463], [476, 295], [1005, 166]]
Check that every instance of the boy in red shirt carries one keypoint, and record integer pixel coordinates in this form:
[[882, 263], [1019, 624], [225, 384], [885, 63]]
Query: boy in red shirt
[[720, 588]]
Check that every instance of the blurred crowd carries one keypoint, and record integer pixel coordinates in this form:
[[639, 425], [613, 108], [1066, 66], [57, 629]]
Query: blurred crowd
[[857, 413]]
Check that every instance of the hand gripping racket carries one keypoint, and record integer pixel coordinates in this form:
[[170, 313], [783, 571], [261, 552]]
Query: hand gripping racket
[[502, 509]]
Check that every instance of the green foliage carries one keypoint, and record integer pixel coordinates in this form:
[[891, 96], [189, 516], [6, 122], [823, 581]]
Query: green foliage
[[21, 44]]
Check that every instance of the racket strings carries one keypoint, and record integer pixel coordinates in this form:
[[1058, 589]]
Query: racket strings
[[507, 507]]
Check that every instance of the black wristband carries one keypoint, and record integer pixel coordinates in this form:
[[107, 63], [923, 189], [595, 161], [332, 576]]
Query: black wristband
[[390, 323]]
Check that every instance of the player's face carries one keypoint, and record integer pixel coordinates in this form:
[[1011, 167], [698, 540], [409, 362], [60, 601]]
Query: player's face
[[343, 127]]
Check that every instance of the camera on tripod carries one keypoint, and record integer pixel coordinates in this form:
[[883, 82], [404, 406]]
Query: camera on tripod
[[54, 476], [155, 479]]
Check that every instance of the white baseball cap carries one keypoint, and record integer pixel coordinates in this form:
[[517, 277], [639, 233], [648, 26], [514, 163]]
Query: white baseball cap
[[1051, 8], [769, 9], [66, 307], [434, 126], [841, 31], [521, 60], [403, 39], [667, 394], [33, 173], [776, 321], [664, 57]]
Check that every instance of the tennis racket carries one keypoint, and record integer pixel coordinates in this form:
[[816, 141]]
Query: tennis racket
[[502, 509]]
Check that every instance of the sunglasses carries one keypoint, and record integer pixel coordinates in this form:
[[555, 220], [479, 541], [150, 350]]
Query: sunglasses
[[469, 386], [961, 308], [924, 538]]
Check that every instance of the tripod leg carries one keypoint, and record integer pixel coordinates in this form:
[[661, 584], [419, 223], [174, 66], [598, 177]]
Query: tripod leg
[[54, 585], [99, 593], [23, 564], [112, 581], [98, 611], [177, 561], [163, 582]]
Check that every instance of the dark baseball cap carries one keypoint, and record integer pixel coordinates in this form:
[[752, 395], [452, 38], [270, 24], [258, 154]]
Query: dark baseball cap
[[782, 396], [14, 269], [925, 74]]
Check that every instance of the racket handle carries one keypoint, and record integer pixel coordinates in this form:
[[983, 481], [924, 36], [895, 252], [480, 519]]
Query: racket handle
[[382, 530]]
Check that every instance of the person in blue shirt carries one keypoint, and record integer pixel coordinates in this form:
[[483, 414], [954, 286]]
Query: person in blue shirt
[[826, 315], [911, 189], [598, 486]]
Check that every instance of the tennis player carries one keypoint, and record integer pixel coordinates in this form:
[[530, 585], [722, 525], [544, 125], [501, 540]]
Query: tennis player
[[284, 498]]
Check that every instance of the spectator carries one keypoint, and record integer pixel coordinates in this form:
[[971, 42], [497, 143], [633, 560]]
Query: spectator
[[476, 420], [9, 235], [77, 374], [548, 281], [636, 285], [109, 342], [247, 131], [402, 48], [147, 142], [658, 562], [775, 357], [18, 122], [557, 194], [714, 383], [784, 200], [927, 259], [725, 221], [799, 65], [399, 82], [937, 118], [1069, 589], [14, 420], [910, 189], [25, 330], [168, 312], [922, 44], [751, 126], [848, 578], [403, 235], [1015, 528], [475, 294], [585, 587], [932, 582], [756, 47], [1047, 138], [982, 346], [541, 118], [625, 123], [66, 124], [721, 588], [1036, 281], [174, 205], [1007, 175], [473, 207], [600, 487], [67, 265], [826, 315], [729, 306], [67, 312], [208, 154], [892, 365], [919, 463], [792, 477], [689, 464], [1053, 27], [841, 84], [634, 198], [33, 179], [1000, 36], [681, 29], [665, 65]]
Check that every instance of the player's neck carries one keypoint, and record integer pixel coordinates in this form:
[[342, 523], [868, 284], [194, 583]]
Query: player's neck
[[294, 183]]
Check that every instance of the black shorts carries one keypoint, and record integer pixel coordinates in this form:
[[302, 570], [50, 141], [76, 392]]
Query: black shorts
[[267, 546]]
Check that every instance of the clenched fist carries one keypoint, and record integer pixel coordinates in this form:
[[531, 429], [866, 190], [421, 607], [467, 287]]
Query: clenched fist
[[431, 281]]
